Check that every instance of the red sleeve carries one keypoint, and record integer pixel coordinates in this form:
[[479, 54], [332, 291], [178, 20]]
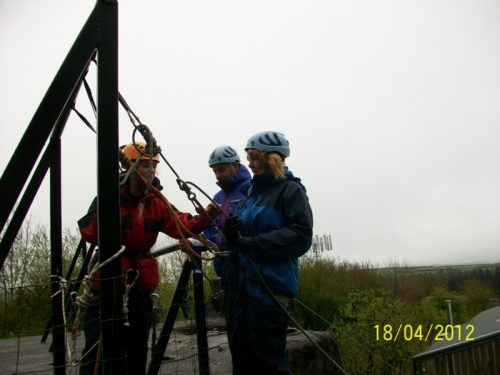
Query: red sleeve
[[88, 224], [194, 224]]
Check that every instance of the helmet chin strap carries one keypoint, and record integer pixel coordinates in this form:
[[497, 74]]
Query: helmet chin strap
[[130, 168], [139, 185]]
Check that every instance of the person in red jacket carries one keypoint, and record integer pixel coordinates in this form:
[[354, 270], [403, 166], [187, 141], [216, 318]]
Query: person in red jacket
[[144, 213]]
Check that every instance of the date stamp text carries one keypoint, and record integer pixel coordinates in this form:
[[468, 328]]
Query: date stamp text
[[434, 332]]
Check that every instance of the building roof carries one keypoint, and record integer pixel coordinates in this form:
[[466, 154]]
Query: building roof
[[483, 326]]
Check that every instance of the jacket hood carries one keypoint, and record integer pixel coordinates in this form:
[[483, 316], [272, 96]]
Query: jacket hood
[[241, 176], [289, 176], [262, 181]]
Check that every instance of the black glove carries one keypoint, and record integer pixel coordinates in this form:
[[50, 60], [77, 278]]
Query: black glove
[[244, 245], [232, 228]]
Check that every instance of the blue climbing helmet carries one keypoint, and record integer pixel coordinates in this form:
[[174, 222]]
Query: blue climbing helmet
[[223, 155], [269, 141]]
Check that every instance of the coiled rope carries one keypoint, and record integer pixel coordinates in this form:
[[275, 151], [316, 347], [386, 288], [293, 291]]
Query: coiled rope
[[83, 301]]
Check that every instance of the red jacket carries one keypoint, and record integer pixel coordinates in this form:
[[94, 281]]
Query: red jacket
[[141, 221]]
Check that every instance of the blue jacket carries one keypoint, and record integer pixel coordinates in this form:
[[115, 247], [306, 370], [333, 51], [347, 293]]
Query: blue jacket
[[232, 193], [277, 228]]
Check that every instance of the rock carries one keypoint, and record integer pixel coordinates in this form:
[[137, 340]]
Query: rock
[[307, 359]]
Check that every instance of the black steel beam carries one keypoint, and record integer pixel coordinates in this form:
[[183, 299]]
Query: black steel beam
[[99, 32], [31, 145], [37, 177], [56, 270], [165, 250], [201, 323], [73, 286], [22, 209], [168, 325], [112, 319]]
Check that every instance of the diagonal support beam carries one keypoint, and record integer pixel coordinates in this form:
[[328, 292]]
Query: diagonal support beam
[[31, 145]]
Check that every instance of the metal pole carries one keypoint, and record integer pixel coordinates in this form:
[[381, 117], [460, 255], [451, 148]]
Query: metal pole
[[201, 323], [173, 310], [450, 314], [72, 286], [56, 257], [112, 328]]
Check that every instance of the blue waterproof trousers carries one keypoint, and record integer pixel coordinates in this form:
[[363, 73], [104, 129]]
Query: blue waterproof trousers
[[258, 338]]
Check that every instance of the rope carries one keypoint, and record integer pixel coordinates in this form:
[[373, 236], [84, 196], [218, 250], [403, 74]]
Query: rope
[[84, 119], [128, 286], [83, 301], [181, 229], [63, 287], [349, 337], [271, 293], [89, 95], [154, 149]]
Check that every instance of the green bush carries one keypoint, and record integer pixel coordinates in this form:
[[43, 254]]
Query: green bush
[[325, 286]]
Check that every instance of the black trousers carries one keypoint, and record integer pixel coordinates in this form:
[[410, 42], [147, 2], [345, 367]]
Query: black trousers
[[140, 316], [258, 338]]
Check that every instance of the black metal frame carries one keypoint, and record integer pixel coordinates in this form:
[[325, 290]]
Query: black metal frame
[[191, 266], [99, 34], [73, 286]]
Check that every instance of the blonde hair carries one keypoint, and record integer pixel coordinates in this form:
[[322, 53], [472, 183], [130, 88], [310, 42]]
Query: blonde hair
[[274, 162]]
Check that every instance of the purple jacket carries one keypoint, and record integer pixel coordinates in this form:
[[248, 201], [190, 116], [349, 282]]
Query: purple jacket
[[231, 195]]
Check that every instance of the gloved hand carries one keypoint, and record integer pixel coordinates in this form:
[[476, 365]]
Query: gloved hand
[[232, 227], [213, 210], [243, 245]]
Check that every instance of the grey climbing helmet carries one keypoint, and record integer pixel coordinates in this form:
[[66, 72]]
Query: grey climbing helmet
[[223, 155], [269, 141]]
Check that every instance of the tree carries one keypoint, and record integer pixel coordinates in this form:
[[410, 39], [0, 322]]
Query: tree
[[478, 295], [25, 278], [372, 331], [326, 284]]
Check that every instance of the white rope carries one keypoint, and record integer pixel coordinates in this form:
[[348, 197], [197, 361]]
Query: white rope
[[76, 363], [84, 301], [126, 292], [63, 287]]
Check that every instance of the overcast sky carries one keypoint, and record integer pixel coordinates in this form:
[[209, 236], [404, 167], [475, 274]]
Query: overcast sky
[[391, 108]]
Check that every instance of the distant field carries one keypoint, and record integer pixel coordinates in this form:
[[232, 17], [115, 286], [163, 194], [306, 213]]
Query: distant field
[[447, 268]]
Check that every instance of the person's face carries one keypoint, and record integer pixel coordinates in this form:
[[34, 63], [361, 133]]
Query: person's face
[[224, 172], [256, 162], [143, 169]]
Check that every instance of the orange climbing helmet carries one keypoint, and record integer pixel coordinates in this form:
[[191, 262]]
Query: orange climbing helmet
[[132, 152]]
